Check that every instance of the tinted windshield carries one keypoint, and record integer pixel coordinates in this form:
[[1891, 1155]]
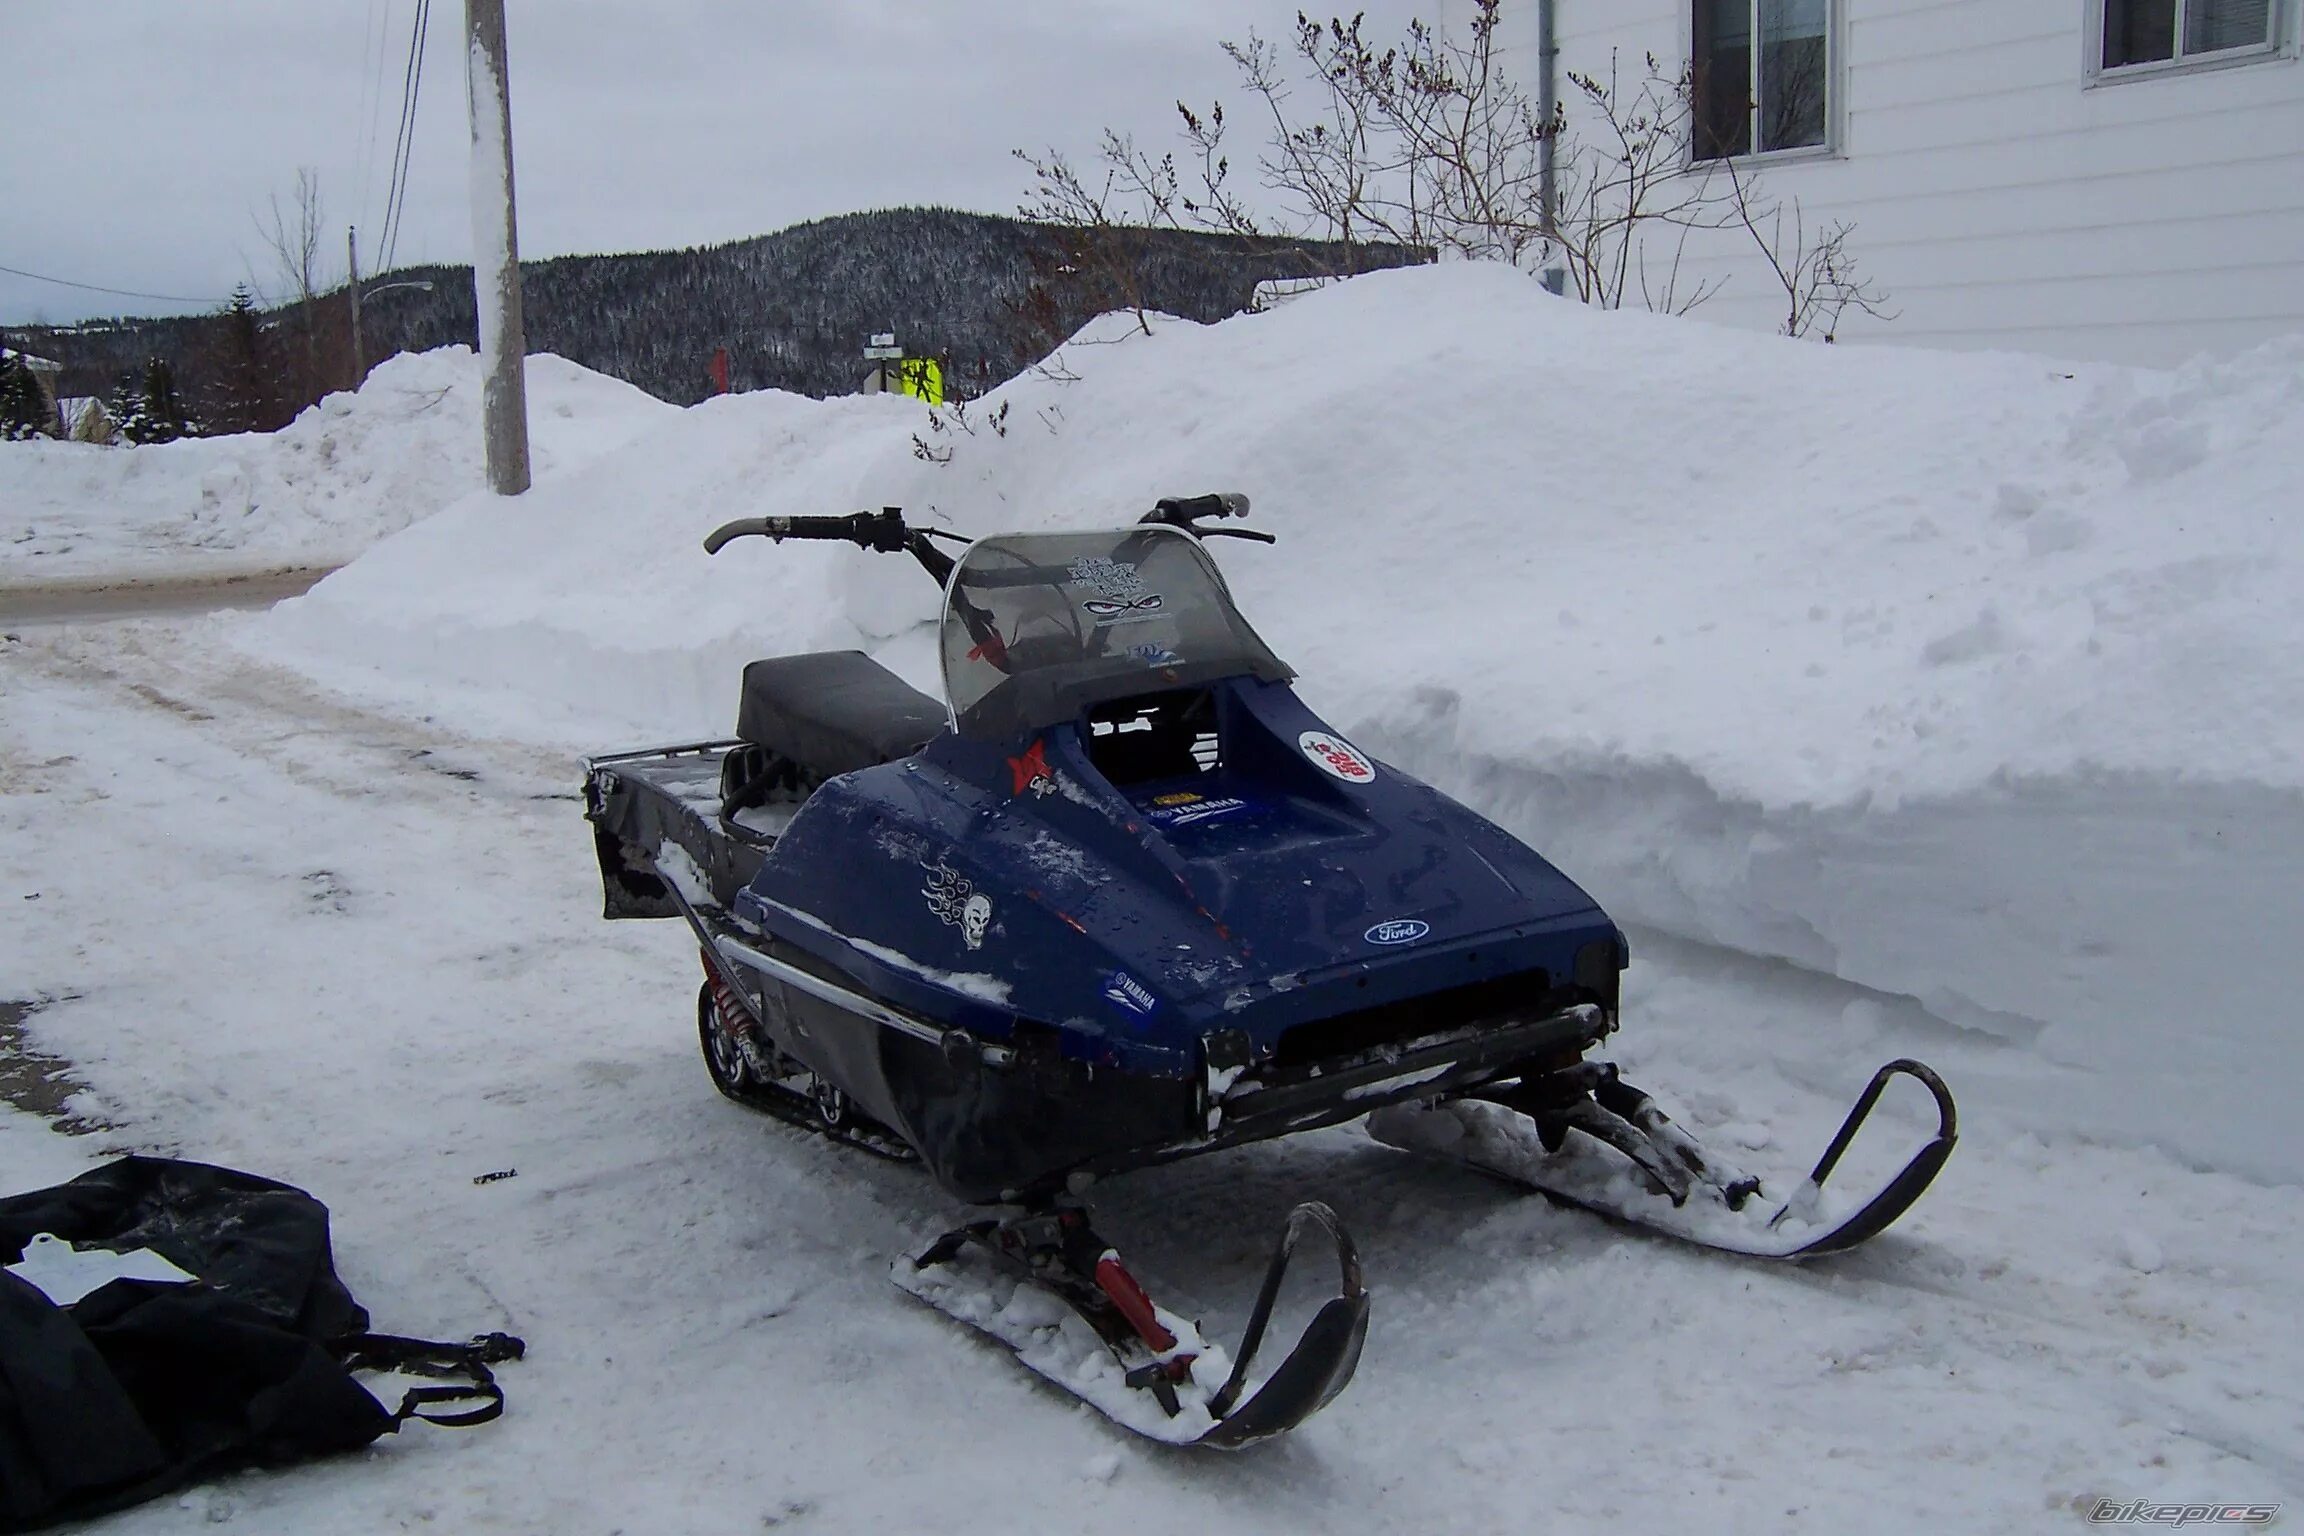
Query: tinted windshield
[[1041, 625]]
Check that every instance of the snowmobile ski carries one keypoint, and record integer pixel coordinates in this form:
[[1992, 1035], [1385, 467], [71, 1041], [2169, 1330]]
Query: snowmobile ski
[[1633, 1164], [1025, 1279]]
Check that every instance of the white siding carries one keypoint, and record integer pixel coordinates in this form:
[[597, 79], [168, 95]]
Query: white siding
[[2003, 199]]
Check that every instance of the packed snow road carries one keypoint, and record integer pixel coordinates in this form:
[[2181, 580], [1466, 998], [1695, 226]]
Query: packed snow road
[[362, 954]]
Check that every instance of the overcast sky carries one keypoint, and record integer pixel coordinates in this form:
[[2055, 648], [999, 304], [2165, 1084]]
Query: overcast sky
[[144, 135]]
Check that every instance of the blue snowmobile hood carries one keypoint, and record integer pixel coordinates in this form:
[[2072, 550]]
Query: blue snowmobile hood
[[998, 884]]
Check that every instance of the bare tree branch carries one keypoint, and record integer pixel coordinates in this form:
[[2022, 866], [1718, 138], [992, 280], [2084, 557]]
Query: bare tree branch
[[293, 238], [1820, 279], [1431, 144]]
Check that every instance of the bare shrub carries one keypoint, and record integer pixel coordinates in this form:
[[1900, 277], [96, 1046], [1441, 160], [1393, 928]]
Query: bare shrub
[[1429, 143]]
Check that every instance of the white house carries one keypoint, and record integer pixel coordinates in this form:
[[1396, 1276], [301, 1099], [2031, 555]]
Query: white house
[[2116, 179]]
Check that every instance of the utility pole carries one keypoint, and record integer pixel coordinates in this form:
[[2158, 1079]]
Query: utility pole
[[1548, 112], [352, 287], [496, 250]]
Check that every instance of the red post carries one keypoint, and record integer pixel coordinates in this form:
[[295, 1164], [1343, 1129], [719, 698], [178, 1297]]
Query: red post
[[719, 370]]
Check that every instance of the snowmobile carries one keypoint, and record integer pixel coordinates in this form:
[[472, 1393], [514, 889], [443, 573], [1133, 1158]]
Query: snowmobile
[[1121, 898]]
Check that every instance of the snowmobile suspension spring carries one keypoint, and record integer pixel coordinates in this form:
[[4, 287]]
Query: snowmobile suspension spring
[[1113, 1279], [731, 1008]]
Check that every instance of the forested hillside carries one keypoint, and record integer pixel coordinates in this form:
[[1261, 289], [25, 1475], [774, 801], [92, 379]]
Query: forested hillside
[[987, 295]]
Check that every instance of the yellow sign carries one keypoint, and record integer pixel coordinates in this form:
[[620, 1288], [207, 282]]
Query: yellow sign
[[922, 378]]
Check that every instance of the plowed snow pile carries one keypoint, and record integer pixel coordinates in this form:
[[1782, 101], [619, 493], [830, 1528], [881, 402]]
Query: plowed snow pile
[[346, 472], [1969, 679]]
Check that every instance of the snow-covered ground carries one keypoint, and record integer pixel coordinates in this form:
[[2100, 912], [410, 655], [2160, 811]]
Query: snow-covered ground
[[363, 954], [345, 473], [1905, 703], [1969, 679]]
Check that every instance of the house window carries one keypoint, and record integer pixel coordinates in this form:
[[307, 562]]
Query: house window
[[2177, 31], [1761, 73]]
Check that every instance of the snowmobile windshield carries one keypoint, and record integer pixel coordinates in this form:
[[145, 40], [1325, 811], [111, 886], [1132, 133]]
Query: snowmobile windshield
[[1039, 626]]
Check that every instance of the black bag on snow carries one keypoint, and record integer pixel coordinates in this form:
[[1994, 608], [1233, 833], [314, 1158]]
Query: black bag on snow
[[143, 1386]]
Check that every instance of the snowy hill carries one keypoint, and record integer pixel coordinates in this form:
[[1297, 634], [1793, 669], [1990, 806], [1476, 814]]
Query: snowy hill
[[793, 307], [345, 473], [1967, 679]]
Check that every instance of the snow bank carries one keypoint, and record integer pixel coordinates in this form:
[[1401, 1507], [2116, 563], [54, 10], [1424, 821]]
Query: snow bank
[[346, 472], [1963, 677]]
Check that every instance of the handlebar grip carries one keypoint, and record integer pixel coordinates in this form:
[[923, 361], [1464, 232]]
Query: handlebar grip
[[1186, 508], [718, 538], [1185, 512], [814, 527], [883, 530]]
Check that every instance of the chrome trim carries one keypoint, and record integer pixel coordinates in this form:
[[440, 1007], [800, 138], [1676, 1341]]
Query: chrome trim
[[855, 1002], [680, 749]]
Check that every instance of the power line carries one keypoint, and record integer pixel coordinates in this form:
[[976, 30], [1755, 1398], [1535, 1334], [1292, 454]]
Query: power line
[[408, 156], [412, 85], [372, 60], [400, 133], [125, 293]]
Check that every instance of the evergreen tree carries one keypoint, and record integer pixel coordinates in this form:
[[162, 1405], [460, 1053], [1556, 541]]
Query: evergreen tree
[[24, 411], [168, 413], [126, 408], [149, 411], [242, 397]]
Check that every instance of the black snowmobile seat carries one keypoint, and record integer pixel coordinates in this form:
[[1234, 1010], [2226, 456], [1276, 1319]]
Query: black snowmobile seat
[[834, 712]]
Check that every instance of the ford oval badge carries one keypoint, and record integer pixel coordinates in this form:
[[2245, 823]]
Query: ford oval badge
[[1401, 930]]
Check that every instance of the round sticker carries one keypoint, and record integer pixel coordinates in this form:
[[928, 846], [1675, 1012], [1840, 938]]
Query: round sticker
[[1333, 754]]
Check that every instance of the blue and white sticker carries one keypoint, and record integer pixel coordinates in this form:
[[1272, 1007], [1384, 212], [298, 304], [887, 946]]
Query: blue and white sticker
[[1125, 992], [1171, 811], [1401, 930]]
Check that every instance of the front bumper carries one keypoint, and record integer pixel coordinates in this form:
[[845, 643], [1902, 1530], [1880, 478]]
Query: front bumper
[[1241, 1106]]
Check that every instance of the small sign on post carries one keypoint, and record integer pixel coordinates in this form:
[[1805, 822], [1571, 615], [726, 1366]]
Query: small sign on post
[[894, 373], [922, 378]]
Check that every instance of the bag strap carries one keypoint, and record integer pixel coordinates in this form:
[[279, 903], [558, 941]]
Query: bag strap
[[430, 1357]]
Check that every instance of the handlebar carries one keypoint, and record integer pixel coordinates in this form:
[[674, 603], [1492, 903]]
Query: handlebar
[[1214, 504], [1184, 511], [883, 530]]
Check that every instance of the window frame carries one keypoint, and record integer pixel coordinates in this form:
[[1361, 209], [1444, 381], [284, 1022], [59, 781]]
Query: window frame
[[2280, 43], [1835, 28]]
